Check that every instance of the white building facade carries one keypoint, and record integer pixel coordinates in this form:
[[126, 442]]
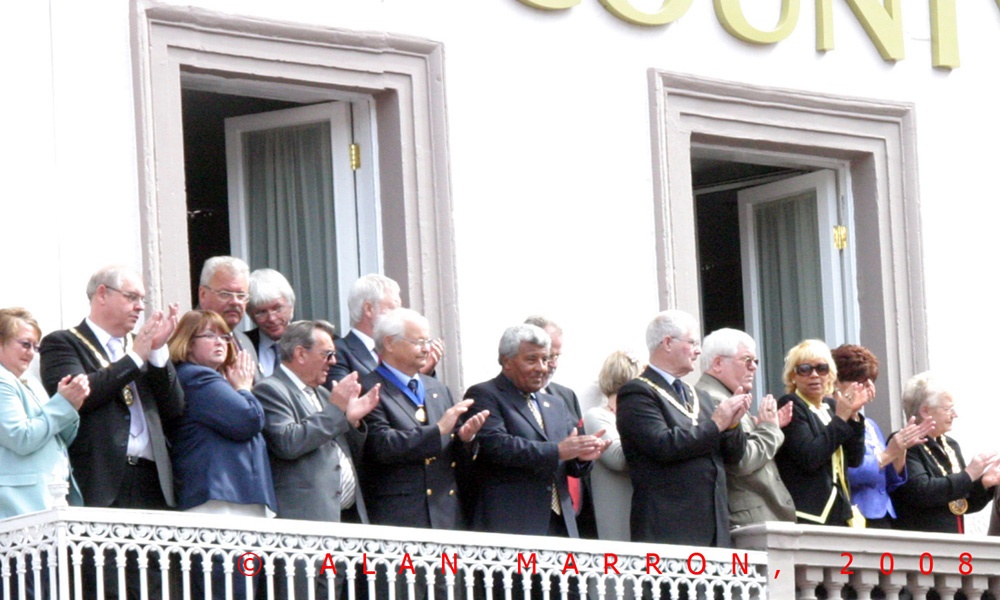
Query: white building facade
[[592, 161]]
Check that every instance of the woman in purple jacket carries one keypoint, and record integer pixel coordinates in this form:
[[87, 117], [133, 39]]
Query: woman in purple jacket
[[883, 468]]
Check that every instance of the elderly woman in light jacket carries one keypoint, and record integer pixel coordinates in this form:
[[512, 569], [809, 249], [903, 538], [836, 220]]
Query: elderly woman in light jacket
[[609, 478], [34, 430]]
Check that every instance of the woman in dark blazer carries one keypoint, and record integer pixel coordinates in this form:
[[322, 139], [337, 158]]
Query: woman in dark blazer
[[824, 437], [220, 457], [941, 487]]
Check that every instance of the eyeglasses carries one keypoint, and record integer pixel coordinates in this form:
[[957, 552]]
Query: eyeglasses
[[747, 360], [241, 297], [418, 343], [806, 369], [328, 355], [212, 336], [694, 343], [28, 345], [132, 297], [264, 313]]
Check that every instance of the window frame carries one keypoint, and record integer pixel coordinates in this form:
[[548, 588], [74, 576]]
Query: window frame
[[404, 76], [872, 142]]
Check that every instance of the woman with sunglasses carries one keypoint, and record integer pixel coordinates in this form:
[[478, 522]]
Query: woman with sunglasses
[[220, 457], [825, 436]]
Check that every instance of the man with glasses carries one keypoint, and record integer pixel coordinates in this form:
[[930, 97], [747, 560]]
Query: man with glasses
[[756, 492], [371, 297], [120, 456], [272, 307], [314, 437], [414, 444], [224, 288], [677, 442]]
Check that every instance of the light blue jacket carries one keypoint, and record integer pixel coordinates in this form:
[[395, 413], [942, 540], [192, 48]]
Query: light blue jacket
[[34, 434]]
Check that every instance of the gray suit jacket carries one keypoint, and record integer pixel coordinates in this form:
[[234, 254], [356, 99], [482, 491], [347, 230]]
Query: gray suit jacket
[[756, 492], [303, 446]]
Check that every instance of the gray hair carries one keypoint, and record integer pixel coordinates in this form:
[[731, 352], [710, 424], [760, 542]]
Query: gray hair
[[234, 265], [110, 276], [302, 333], [371, 288], [544, 323], [513, 337], [393, 324], [923, 389], [669, 323], [268, 285], [724, 342]]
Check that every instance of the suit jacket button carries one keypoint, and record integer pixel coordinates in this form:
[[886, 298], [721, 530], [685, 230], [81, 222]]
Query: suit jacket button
[[452, 465], [430, 492], [427, 461], [451, 492]]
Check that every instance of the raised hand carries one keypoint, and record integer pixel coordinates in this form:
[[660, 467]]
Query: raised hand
[[434, 354], [471, 427], [75, 389], [240, 373]]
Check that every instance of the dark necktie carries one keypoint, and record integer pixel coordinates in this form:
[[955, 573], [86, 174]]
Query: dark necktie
[[412, 384], [679, 386]]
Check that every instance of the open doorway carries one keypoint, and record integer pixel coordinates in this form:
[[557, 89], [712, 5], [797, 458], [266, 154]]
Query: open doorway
[[770, 263]]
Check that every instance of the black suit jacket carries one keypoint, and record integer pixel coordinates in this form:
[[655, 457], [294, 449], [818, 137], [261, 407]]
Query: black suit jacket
[[302, 443], [99, 450], [677, 467], [804, 461], [518, 462], [409, 470], [352, 355], [922, 502]]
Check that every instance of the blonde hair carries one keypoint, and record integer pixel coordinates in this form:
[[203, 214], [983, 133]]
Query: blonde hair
[[805, 352], [619, 368], [189, 326], [11, 320]]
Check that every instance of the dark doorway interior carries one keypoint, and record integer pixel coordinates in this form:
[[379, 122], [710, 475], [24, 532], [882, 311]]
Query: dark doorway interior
[[716, 184], [205, 170]]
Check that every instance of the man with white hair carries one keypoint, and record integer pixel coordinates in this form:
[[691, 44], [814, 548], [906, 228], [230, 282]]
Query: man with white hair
[[528, 445], [756, 492], [272, 307], [677, 442], [370, 297], [414, 448], [223, 288]]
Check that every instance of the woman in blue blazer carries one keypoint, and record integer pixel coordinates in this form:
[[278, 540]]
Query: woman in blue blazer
[[34, 430], [219, 453]]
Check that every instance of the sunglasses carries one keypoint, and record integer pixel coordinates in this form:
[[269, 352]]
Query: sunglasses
[[806, 369]]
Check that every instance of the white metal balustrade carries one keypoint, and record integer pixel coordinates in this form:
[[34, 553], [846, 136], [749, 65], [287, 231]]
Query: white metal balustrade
[[67, 545]]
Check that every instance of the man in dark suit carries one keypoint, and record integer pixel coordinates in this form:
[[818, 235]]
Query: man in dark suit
[[120, 456], [223, 289], [272, 308], [528, 444], [579, 489], [677, 443], [371, 296], [414, 446]]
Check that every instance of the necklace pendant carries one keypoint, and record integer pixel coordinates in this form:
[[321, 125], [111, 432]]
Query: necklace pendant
[[421, 414]]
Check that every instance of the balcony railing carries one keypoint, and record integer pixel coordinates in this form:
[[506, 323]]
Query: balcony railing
[[69, 548], [805, 559]]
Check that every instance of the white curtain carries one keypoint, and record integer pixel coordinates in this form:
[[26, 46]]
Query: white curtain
[[791, 300], [289, 185]]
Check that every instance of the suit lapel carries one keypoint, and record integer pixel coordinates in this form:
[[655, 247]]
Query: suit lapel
[[91, 337], [398, 399], [550, 413], [520, 404], [361, 351], [434, 400], [658, 379], [302, 404]]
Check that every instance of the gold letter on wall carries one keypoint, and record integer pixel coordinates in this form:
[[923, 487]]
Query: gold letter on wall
[[944, 34], [883, 23], [551, 4], [730, 14], [668, 13]]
